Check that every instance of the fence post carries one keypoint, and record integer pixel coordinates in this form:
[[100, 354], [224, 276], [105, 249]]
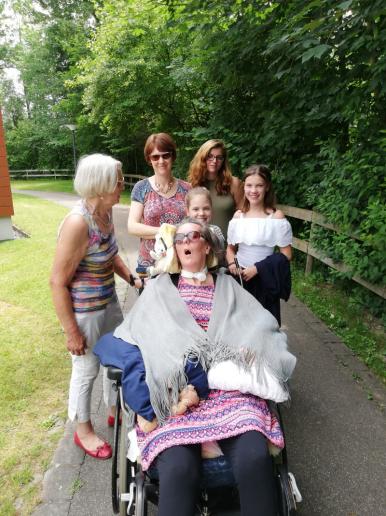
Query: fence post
[[310, 259]]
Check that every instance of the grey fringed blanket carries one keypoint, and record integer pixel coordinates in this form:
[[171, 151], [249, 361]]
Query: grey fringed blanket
[[240, 329]]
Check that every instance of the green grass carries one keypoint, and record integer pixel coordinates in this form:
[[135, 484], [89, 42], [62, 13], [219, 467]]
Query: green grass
[[34, 365], [52, 185], [46, 185], [339, 310]]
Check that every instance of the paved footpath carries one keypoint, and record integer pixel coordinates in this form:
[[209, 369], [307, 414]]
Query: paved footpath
[[336, 436]]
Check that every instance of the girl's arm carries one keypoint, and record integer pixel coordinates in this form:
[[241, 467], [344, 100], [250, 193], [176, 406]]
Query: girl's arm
[[135, 226], [230, 256], [287, 250], [70, 249], [123, 271]]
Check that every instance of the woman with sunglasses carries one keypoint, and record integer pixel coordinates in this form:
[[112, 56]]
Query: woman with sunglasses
[[82, 285], [157, 199], [210, 168], [199, 320]]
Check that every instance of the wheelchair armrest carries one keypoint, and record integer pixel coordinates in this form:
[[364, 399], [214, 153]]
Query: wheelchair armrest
[[114, 373]]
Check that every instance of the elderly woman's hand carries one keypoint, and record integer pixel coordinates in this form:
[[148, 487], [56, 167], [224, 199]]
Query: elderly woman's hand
[[76, 343], [145, 425]]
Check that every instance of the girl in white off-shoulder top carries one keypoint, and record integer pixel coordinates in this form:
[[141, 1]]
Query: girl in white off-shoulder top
[[257, 229]]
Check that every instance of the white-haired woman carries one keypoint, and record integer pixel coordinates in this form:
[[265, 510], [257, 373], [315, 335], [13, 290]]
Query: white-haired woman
[[83, 289]]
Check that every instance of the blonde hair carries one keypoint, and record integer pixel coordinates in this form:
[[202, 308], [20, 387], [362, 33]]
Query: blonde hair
[[197, 175], [194, 192], [96, 174], [211, 239]]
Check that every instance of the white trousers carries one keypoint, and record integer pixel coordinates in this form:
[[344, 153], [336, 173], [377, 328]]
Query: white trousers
[[85, 368]]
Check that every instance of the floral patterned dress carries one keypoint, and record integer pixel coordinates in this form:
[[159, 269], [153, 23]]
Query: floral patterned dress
[[156, 211]]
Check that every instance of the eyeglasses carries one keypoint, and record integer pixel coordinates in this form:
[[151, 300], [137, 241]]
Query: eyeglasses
[[164, 155], [215, 158], [192, 236]]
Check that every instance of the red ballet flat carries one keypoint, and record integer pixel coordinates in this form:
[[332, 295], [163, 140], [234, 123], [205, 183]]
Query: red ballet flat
[[103, 452], [111, 420]]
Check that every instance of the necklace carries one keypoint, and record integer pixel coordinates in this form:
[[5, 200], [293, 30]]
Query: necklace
[[160, 188], [104, 222]]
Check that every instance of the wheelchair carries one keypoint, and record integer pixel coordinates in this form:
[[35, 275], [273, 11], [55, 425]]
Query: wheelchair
[[132, 489]]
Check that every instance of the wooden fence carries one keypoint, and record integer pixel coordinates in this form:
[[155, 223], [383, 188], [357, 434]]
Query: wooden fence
[[291, 211], [32, 174], [130, 179], [307, 248]]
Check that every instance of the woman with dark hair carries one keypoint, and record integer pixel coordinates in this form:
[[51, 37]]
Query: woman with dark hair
[[253, 234], [210, 168], [157, 199]]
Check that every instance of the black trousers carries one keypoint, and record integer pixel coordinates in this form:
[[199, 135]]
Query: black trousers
[[179, 471]]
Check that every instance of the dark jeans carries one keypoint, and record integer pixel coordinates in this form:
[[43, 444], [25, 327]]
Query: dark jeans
[[179, 471]]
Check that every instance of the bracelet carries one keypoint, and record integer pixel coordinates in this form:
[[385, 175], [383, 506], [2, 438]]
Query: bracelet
[[232, 263], [131, 280]]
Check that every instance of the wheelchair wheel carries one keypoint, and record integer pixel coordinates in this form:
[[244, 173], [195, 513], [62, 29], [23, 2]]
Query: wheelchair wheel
[[114, 465], [140, 494], [287, 504], [123, 465]]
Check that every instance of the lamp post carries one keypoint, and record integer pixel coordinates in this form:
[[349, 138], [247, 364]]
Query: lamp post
[[72, 128]]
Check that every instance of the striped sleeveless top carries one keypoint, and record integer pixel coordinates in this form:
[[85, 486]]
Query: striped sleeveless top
[[92, 286]]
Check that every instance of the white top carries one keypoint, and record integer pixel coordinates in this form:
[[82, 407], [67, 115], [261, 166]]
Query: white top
[[257, 237]]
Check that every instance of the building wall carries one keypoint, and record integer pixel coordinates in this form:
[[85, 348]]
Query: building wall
[[6, 204]]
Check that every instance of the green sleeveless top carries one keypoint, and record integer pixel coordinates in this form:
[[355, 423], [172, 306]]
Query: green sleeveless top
[[224, 207]]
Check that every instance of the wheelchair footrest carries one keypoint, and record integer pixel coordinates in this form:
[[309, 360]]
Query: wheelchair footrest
[[295, 490]]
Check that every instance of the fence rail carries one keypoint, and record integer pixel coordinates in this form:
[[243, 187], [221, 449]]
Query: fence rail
[[130, 179], [306, 247], [31, 174], [299, 213]]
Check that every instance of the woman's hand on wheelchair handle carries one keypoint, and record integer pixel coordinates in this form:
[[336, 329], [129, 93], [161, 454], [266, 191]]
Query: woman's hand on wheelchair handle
[[138, 283], [232, 269]]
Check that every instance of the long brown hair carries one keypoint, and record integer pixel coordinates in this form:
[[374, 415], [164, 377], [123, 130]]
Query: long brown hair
[[269, 197], [197, 170]]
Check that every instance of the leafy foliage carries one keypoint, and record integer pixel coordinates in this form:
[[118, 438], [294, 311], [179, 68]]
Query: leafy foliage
[[298, 85]]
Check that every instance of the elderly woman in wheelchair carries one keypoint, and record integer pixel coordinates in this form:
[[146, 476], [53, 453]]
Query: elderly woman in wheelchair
[[204, 357]]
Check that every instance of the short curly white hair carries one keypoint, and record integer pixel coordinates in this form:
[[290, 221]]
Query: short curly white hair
[[96, 175]]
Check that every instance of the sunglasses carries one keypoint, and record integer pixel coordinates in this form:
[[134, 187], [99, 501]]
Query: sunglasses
[[164, 155], [192, 236]]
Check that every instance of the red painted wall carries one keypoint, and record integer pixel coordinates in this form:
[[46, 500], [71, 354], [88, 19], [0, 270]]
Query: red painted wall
[[6, 205]]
